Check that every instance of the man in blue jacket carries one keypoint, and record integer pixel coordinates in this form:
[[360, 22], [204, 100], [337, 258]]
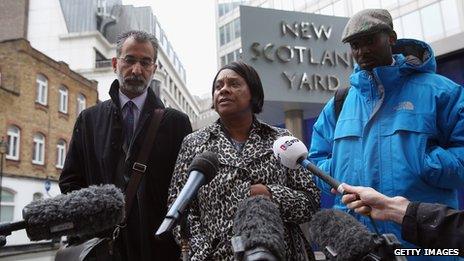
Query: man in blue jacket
[[401, 128]]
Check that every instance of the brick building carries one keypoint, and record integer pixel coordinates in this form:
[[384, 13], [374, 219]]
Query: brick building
[[40, 99]]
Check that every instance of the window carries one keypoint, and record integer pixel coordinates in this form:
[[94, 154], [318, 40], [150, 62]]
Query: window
[[328, 10], [450, 16], [411, 26], [223, 60], [339, 8], [371, 4], [13, 142], [80, 103], [60, 153], [230, 57], [389, 3], [431, 22], [63, 106], [37, 196], [7, 205], [41, 89], [398, 27], [236, 28], [222, 36], [38, 149]]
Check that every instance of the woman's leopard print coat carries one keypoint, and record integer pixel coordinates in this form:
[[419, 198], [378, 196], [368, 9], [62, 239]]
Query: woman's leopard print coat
[[212, 212]]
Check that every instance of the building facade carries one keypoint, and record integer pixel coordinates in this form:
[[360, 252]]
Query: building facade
[[437, 22], [40, 100], [83, 34]]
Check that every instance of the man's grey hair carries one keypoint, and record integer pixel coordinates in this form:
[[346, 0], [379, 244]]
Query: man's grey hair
[[139, 36]]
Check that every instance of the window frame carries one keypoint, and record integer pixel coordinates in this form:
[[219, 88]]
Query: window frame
[[81, 103], [38, 149], [11, 148], [63, 99], [61, 147], [41, 89]]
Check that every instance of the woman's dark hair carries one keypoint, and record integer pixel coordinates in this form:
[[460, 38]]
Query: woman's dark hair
[[252, 79]]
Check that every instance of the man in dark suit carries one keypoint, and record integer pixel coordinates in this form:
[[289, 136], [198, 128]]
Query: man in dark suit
[[108, 136]]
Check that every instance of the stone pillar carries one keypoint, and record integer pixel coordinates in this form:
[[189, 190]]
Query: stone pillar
[[294, 123]]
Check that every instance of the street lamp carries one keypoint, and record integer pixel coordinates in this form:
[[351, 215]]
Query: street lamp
[[3, 151]]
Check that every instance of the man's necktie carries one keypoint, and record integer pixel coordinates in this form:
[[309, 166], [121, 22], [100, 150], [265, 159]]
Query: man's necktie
[[129, 122]]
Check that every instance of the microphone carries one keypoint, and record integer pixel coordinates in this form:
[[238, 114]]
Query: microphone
[[258, 230], [341, 237], [291, 152], [79, 213], [201, 171]]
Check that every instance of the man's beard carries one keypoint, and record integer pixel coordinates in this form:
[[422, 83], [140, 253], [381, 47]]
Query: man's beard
[[132, 84]]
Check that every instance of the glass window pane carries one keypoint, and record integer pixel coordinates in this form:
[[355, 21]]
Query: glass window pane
[[339, 8], [431, 22], [328, 10], [371, 4], [387, 4], [356, 6], [450, 16], [237, 28], [411, 26], [7, 213], [398, 27], [7, 196], [230, 57]]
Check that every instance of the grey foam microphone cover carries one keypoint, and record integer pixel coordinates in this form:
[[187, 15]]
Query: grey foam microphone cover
[[81, 212], [206, 163], [258, 222], [343, 233]]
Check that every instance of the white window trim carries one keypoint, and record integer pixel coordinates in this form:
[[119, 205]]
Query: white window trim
[[39, 150], [81, 103], [8, 204], [10, 155], [63, 106], [42, 90], [61, 154]]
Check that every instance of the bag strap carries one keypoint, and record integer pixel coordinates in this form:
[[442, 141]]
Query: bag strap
[[140, 165], [339, 99]]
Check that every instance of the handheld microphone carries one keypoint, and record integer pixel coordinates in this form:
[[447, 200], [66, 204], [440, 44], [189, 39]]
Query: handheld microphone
[[201, 171], [341, 237], [258, 230], [79, 213], [291, 152]]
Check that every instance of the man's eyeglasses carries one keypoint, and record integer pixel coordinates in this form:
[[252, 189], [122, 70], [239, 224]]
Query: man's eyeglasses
[[144, 62]]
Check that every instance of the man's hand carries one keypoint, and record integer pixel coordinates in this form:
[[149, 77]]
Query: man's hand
[[368, 201]]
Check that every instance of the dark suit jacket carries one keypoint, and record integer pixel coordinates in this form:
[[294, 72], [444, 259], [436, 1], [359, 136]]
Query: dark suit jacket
[[97, 156]]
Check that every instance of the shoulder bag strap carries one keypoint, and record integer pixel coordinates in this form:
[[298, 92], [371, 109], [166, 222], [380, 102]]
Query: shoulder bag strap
[[140, 165]]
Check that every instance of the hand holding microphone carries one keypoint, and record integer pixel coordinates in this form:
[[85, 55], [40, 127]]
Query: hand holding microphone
[[291, 152], [368, 201]]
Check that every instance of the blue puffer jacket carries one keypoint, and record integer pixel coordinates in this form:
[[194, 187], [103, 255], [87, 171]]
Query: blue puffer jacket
[[401, 132]]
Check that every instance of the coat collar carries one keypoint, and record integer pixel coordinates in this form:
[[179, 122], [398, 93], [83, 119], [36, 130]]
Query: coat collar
[[258, 144], [151, 102]]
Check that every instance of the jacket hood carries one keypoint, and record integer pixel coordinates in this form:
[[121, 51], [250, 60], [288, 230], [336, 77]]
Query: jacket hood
[[414, 55], [411, 56]]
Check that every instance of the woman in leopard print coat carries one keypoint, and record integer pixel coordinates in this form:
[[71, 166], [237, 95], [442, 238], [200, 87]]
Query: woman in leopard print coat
[[247, 167]]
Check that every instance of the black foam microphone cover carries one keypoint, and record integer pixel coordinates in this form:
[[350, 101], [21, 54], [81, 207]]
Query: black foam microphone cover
[[81, 212], [206, 163], [342, 233], [258, 223]]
